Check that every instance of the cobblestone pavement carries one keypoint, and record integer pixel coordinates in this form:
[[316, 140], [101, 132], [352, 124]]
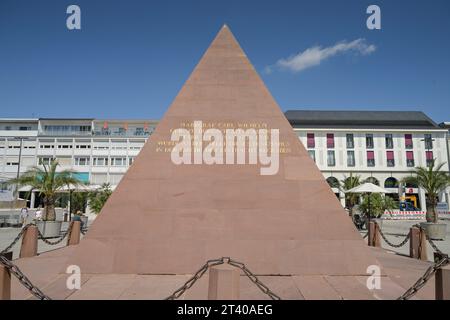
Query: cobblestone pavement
[[396, 230]]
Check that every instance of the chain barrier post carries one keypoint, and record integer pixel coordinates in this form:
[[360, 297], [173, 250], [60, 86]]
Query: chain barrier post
[[442, 283], [418, 244], [5, 279], [374, 240], [74, 235], [29, 242], [223, 282]]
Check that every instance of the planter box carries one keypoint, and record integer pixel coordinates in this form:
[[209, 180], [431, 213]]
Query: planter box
[[49, 229], [435, 231]]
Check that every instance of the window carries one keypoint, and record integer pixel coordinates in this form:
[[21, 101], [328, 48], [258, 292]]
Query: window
[[310, 140], [409, 159], [390, 158], [64, 146], [139, 132], [101, 147], [389, 141], [46, 146], [428, 141], [130, 161], [44, 160], [350, 141], [330, 140], [24, 128], [312, 154], [331, 161], [100, 161], [369, 141], [408, 141], [81, 161], [370, 159], [122, 131], [119, 161], [351, 158], [429, 156], [333, 182], [12, 163], [83, 146]]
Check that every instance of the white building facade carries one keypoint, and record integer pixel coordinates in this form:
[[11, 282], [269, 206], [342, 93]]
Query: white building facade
[[100, 151], [382, 146]]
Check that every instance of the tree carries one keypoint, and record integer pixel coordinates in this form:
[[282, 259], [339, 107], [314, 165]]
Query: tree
[[378, 204], [433, 181], [48, 182], [351, 199], [97, 199]]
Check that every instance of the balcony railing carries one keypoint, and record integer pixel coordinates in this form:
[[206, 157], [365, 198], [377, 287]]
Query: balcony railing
[[64, 133], [124, 133]]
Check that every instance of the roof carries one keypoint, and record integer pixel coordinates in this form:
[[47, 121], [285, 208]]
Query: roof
[[360, 119]]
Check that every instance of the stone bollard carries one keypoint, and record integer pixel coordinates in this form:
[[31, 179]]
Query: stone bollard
[[29, 242], [418, 244], [442, 283], [74, 237], [5, 280], [223, 282], [374, 240]]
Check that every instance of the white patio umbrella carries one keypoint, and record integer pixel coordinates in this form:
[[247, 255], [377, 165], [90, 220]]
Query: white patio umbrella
[[367, 188]]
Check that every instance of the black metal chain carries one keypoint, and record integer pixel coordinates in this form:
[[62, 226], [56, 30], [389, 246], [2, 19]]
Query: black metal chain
[[52, 243], [12, 268], [194, 278], [17, 238], [215, 262], [401, 244], [254, 279], [430, 271], [424, 279]]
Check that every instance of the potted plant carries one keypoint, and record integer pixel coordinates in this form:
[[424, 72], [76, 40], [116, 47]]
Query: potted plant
[[47, 181], [433, 181], [378, 206], [98, 198]]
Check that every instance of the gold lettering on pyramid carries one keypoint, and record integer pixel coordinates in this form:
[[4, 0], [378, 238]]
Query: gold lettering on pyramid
[[245, 143]]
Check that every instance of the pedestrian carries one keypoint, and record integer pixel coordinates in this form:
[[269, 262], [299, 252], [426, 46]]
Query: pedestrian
[[38, 215], [23, 215]]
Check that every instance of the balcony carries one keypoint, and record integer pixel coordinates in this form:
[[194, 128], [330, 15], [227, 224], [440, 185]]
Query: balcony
[[122, 133], [58, 133]]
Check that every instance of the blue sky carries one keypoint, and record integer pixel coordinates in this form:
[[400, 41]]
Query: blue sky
[[131, 57]]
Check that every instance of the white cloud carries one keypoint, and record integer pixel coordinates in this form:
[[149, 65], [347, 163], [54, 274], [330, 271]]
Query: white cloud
[[315, 55]]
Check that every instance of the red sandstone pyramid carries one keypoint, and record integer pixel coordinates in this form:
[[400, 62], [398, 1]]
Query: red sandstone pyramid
[[169, 219]]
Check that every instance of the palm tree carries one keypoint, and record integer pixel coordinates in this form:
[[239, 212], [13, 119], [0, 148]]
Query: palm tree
[[48, 182], [433, 181], [348, 183]]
